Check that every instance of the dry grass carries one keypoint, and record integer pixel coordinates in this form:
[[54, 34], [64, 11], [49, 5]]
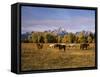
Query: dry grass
[[52, 58]]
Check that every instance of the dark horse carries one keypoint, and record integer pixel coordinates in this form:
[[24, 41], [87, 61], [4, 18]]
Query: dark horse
[[84, 46], [39, 45], [60, 46]]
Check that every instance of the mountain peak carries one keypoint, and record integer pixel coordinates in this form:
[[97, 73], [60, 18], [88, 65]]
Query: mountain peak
[[60, 31]]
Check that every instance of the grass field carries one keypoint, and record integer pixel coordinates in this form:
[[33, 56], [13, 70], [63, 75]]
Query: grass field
[[33, 58]]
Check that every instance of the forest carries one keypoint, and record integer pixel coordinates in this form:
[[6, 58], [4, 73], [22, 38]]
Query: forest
[[50, 37]]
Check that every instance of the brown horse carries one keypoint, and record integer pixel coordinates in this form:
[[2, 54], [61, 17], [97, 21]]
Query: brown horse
[[39, 45], [84, 46], [60, 46]]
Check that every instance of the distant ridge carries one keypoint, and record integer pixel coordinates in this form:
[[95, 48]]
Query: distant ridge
[[60, 31]]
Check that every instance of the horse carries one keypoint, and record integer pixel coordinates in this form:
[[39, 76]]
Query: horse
[[39, 45], [71, 45], [61, 46], [84, 46], [51, 45]]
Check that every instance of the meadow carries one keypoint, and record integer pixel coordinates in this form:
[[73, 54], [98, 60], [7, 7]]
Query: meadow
[[33, 58]]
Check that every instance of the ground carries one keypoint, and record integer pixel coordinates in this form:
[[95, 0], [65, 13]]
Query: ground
[[33, 58]]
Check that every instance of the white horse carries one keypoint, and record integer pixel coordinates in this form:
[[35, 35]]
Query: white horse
[[51, 45], [71, 45], [63, 44]]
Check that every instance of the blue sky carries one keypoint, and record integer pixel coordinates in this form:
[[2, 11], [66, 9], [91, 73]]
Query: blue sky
[[41, 19]]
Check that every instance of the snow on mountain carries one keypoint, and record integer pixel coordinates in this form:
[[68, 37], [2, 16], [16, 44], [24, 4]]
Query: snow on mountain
[[60, 31]]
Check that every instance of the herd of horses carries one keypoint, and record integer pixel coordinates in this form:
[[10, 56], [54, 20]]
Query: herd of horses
[[62, 46]]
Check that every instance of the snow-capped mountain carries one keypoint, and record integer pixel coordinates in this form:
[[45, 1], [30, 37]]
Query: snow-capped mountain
[[59, 31]]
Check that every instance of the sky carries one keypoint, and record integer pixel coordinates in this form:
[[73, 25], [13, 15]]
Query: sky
[[42, 19]]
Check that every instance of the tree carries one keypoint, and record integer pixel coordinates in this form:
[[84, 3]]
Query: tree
[[59, 39], [50, 38], [82, 38], [71, 38], [40, 39], [76, 39], [34, 38], [65, 39], [30, 39], [89, 39], [93, 38]]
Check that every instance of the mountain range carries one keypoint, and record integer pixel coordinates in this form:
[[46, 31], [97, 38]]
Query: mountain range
[[60, 31]]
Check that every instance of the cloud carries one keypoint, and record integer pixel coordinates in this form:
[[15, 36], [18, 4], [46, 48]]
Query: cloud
[[72, 24]]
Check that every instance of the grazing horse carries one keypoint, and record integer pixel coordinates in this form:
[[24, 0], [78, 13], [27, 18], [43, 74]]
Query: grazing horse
[[39, 45], [71, 45], [51, 45], [84, 46], [61, 46]]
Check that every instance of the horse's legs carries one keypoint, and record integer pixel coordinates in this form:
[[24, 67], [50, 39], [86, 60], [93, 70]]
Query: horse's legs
[[64, 48]]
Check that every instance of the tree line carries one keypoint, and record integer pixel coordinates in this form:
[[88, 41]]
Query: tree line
[[45, 37]]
